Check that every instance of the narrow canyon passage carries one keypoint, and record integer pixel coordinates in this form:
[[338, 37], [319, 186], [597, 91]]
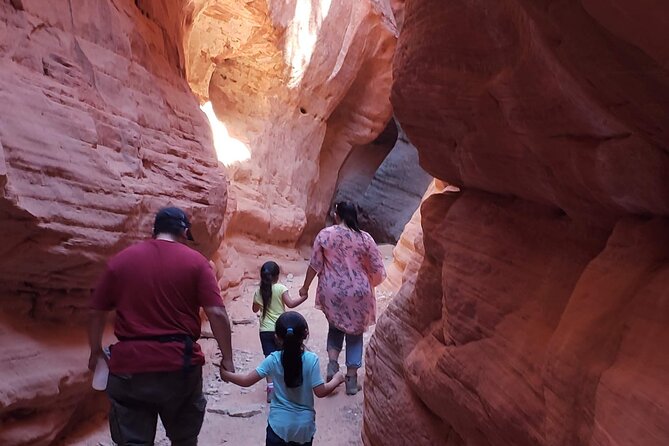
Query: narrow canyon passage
[[532, 306]]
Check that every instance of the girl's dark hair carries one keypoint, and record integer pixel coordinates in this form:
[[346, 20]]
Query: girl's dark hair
[[292, 329], [347, 212], [269, 272]]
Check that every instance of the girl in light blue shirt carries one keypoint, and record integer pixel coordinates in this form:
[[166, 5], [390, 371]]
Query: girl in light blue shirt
[[297, 378]]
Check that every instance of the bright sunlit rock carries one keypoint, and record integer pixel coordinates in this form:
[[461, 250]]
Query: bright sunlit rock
[[228, 149], [302, 35]]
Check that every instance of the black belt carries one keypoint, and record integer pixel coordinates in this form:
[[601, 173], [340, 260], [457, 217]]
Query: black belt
[[186, 339]]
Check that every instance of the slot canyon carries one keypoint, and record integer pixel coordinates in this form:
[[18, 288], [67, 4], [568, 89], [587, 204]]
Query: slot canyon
[[514, 152]]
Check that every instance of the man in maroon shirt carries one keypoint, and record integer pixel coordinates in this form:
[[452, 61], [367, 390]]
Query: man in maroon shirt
[[157, 288]]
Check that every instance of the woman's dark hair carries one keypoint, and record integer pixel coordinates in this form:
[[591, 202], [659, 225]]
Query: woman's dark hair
[[346, 211], [292, 329], [269, 272]]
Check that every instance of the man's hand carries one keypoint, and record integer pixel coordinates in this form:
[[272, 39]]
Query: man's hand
[[93, 359], [228, 365], [228, 376], [96, 326], [225, 375], [304, 292]]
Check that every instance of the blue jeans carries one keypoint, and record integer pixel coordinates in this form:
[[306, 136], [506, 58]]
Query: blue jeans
[[353, 346]]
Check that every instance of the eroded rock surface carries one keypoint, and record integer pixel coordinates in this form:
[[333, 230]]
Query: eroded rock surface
[[298, 83], [98, 129], [538, 314]]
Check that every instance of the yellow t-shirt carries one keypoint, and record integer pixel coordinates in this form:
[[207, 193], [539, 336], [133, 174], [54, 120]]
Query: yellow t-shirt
[[275, 309]]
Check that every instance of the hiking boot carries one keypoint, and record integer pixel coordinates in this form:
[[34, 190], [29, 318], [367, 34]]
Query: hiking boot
[[352, 386], [333, 367]]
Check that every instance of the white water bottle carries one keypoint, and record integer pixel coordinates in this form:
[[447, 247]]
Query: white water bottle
[[101, 374]]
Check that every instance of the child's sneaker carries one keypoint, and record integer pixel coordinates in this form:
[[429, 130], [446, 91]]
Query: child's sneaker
[[333, 367]]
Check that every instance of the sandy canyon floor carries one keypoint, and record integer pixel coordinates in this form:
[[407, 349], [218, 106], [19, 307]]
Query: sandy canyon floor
[[238, 416]]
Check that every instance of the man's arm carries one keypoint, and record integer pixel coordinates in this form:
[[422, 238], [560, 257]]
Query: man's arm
[[220, 326], [96, 327], [103, 301]]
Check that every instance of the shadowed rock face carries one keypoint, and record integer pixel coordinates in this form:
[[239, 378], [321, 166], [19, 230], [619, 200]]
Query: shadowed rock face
[[386, 183], [535, 310], [394, 193]]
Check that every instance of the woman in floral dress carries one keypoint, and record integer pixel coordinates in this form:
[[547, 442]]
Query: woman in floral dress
[[349, 265]]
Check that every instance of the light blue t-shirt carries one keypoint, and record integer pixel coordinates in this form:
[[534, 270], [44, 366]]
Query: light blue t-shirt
[[291, 412]]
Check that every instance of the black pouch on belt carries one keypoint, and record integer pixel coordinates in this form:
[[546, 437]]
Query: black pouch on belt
[[178, 337]]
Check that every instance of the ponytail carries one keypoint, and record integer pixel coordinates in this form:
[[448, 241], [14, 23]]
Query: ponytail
[[347, 212], [292, 330], [268, 273]]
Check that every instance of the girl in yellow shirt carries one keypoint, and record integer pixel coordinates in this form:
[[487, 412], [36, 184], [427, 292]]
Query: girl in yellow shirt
[[271, 299]]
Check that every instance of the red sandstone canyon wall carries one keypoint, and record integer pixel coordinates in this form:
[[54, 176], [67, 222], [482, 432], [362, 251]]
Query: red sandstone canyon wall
[[538, 313], [98, 129]]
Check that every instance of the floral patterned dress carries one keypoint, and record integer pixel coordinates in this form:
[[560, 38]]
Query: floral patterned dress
[[349, 266]]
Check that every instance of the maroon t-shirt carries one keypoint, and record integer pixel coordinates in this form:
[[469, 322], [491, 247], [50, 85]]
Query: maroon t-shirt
[[157, 288]]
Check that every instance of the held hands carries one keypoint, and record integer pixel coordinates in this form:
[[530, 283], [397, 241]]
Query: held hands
[[227, 368], [225, 375], [228, 365], [338, 378], [304, 292]]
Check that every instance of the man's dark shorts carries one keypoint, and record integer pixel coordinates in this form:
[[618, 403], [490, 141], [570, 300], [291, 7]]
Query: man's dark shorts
[[137, 401]]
